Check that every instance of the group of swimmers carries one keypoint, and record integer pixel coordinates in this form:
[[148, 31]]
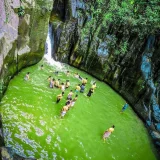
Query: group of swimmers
[[79, 88], [63, 86]]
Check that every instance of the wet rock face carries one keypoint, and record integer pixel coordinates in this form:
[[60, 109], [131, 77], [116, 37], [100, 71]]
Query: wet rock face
[[1, 133], [8, 154], [23, 31], [115, 54]]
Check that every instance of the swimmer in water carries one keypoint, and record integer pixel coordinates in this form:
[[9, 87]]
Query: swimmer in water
[[49, 78], [57, 83], [42, 67], [82, 88], [108, 132], [67, 85], [62, 86], [64, 111], [77, 88], [67, 73], [94, 85], [27, 76], [59, 97], [74, 100], [84, 81], [70, 94], [90, 92], [124, 107]]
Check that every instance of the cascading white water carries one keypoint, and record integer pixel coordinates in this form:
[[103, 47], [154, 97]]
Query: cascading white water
[[48, 49]]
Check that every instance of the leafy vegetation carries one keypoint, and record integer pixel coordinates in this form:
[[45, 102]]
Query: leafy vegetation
[[140, 17], [21, 11]]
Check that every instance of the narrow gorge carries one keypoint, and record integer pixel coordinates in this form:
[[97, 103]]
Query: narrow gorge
[[117, 42]]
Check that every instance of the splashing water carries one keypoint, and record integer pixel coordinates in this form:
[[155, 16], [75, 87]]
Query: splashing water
[[48, 50]]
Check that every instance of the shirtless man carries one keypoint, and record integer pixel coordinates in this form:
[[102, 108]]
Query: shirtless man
[[59, 97], [64, 111], [84, 81]]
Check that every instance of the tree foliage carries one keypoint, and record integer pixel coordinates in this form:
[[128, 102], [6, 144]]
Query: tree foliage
[[140, 17]]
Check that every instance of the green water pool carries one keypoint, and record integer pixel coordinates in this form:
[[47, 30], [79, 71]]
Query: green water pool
[[32, 124]]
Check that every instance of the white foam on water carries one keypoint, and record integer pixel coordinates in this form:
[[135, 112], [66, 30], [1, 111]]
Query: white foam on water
[[65, 150], [16, 87], [39, 132], [48, 139], [54, 156], [58, 139], [30, 153], [42, 122]]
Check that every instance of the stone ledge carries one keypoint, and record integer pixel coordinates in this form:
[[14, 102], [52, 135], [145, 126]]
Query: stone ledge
[[7, 153]]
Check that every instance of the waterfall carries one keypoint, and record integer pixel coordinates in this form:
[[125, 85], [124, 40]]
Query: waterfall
[[49, 46]]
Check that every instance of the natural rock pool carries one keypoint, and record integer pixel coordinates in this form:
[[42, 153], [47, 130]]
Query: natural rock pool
[[33, 128]]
